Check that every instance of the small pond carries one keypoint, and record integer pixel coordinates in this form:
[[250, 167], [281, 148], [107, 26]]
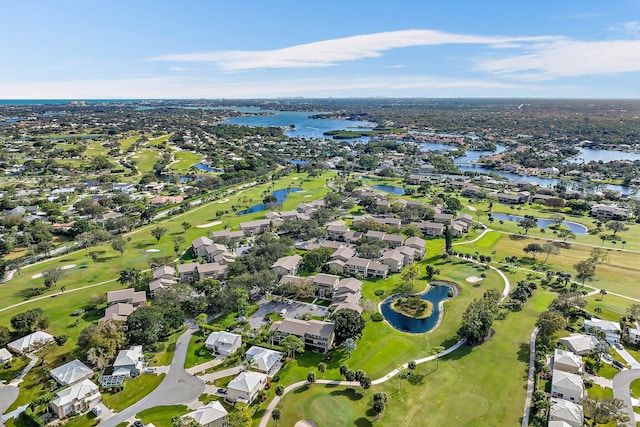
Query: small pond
[[436, 295], [281, 195], [390, 189], [207, 168], [544, 223]]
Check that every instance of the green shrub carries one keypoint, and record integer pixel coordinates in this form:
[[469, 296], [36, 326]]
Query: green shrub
[[379, 292], [377, 317], [156, 347]]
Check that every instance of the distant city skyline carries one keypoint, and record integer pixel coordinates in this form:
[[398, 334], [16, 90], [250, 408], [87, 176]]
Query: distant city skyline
[[81, 49]]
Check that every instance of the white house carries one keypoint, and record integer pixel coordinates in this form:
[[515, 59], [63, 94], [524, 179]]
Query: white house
[[30, 341], [223, 343], [263, 360], [5, 356], [212, 414], [567, 386], [564, 411], [78, 398], [71, 373], [633, 335], [610, 329], [129, 362], [567, 361], [579, 343], [245, 387]]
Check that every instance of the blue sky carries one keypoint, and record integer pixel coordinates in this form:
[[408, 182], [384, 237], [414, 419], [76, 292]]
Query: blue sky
[[83, 49]]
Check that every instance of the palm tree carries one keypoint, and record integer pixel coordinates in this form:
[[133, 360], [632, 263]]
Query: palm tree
[[321, 368], [275, 414], [624, 242], [603, 238], [436, 351], [603, 292]]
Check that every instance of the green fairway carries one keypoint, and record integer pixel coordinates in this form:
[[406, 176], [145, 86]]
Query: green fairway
[[184, 160], [477, 386], [160, 416]]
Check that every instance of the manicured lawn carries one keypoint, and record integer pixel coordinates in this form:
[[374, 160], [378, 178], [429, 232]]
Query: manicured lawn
[[197, 353], [134, 390], [477, 386], [616, 275], [84, 420], [635, 388], [597, 392], [161, 416], [184, 161], [613, 307], [165, 357], [608, 371], [128, 142], [31, 387], [16, 365]]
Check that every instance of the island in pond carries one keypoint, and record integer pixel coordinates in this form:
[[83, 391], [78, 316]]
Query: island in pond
[[413, 306]]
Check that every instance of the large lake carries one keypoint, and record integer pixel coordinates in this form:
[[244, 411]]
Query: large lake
[[305, 127]]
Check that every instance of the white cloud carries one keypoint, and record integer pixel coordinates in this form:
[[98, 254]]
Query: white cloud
[[566, 58], [632, 28], [329, 52]]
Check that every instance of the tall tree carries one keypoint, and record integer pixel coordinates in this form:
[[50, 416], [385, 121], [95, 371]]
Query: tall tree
[[52, 275], [29, 321], [275, 414], [549, 248], [119, 244], [158, 232], [293, 345], [533, 248], [349, 345], [348, 324]]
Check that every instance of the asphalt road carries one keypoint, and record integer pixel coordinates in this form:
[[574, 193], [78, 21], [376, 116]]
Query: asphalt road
[[621, 383], [178, 387]]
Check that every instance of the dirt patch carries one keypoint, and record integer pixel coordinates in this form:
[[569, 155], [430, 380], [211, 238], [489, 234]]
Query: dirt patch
[[473, 279], [306, 423], [211, 224]]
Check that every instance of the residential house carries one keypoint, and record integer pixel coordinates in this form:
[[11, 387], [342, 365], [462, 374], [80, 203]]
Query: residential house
[[5, 356], [212, 414], [123, 187], [344, 253], [128, 296], [188, 272], [78, 398], [263, 360], [471, 191], [377, 270], [357, 266], [567, 361], [443, 218], [509, 199], [129, 362], [563, 411], [610, 329], [71, 373], [223, 343], [633, 335], [418, 244], [199, 246], [117, 312], [246, 386], [253, 228], [410, 254], [347, 294], [218, 253], [164, 272], [609, 212], [192, 272], [375, 235], [336, 232], [163, 277], [566, 385], [579, 343], [393, 240], [30, 342], [430, 228], [287, 265], [166, 200], [465, 218], [227, 236], [458, 228], [394, 259], [317, 335], [325, 285]]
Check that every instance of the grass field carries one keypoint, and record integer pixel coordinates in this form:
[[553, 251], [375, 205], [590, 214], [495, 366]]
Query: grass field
[[615, 275], [184, 161], [160, 416], [134, 390]]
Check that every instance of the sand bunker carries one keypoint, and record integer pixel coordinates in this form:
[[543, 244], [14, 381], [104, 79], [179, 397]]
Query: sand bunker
[[473, 279], [294, 178], [471, 208], [153, 250], [211, 224], [36, 276], [306, 423], [67, 267], [308, 195], [223, 200]]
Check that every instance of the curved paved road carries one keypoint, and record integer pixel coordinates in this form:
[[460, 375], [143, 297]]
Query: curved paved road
[[178, 387], [621, 383]]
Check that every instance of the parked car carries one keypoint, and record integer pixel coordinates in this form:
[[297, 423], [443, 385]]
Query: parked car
[[617, 364], [96, 411], [283, 312], [138, 423], [222, 390]]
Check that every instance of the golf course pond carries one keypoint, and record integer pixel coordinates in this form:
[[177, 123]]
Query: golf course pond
[[436, 294]]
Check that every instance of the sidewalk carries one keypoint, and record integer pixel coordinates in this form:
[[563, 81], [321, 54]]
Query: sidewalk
[[220, 374], [204, 366]]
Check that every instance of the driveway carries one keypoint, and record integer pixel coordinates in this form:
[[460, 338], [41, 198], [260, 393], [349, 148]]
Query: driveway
[[294, 309], [626, 356], [8, 395], [178, 387], [621, 383]]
